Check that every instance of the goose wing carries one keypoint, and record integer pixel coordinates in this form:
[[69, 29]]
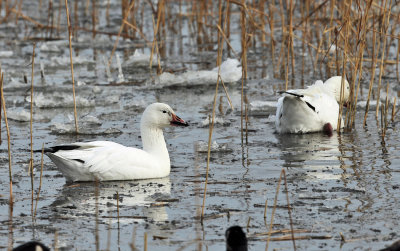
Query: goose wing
[[103, 160]]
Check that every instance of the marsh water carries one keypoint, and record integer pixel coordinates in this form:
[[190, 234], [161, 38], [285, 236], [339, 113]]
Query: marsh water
[[343, 190]]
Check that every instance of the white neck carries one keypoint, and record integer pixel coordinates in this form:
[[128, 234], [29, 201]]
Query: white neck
[[154, 143]]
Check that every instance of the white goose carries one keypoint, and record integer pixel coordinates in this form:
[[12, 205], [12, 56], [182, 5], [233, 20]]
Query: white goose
[[104, 160], [312, 109]]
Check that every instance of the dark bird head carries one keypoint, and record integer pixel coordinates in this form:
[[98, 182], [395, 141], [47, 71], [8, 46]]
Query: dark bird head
[[235, 239], [32, 246]]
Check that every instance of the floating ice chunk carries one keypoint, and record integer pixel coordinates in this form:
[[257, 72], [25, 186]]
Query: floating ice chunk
[[59, 100], [97, 90], [113, 99], [108, 100], [14, 83], [120, 74], [202, 147], [217, 121], [263, 104], [89, 119], [140, 59], [6, 54], [60, 128], [108, 71], [262, 108], [231, 71], [136, 105], [98, 41], [54, 46], [67, 60], [21, 115]]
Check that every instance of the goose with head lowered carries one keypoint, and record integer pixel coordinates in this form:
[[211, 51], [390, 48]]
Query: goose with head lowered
[[313, 109], [105, 160]]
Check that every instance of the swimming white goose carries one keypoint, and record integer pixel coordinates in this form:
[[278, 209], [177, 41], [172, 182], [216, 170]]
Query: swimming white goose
[[312, 109], [104, 160]]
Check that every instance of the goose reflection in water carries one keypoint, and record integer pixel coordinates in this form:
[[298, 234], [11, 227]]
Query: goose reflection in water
[[138, 200], [314, 151]]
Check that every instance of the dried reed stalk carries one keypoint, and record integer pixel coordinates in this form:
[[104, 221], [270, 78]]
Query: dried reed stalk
[[384, 28], [344, 61], [219, 79], [155, 46], [271, 10], [290, 40], [273, 212], [363, 46], [283, 174], [59, 17], [394, 108], [40, 180], [72, 66], [56, 240], [120, 31], [132, 244], [94, 19], [96, 234], [29, 19], [265, 211], [385, 111], [31, 127], [10, 227], [373, 67], [3, 105], [209, 147], [118, 209], [145, 241], [243, 25], [289, 211]]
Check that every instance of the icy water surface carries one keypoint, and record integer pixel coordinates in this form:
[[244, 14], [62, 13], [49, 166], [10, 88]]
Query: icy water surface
[[345, 185]]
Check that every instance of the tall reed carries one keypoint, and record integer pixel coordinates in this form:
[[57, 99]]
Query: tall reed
[[3, 105], [72, 66], [31, 127]]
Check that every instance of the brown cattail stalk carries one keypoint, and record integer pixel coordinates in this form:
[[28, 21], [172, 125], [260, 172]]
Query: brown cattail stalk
[[145, 241], [94, 19], [289, 211], [394, 108], [209, 147], [120, 31], [8, 136], [273, 212], [96, 234], [373, 66], [56, 240], [31, 127], [40, 180], [155, 44], [384, 28], [72, 66]]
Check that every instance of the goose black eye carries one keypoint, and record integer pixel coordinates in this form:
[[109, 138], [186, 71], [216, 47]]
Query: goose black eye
[[164, 111]]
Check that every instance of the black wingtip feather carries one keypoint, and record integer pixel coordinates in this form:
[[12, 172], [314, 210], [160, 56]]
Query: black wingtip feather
[[291, 93], [54, 149]]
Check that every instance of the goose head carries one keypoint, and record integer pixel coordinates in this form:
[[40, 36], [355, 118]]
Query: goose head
[[161, 115], [235, 239], [335, 83]]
